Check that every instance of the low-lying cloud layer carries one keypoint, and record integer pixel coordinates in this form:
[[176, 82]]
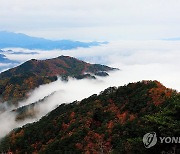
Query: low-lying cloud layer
[[138, 60], [156, 59], [58, 92]]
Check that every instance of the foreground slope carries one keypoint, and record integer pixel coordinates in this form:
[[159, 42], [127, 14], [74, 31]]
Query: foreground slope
[[112, 122], [17, 82]]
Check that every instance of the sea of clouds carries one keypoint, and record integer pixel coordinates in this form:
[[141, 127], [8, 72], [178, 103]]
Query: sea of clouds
[[137, 60]]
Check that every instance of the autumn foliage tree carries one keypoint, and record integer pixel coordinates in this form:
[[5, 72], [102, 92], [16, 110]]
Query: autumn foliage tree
[[112, 122]]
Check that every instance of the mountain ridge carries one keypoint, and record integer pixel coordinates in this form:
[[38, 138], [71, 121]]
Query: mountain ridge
[[19, 40], [15, 83], [113, 122]]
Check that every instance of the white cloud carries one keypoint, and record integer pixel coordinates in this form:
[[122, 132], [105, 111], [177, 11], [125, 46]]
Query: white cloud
[[7, 122], [124, 52]]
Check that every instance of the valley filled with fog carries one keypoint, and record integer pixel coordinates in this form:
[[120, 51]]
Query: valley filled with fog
[[137, 60]]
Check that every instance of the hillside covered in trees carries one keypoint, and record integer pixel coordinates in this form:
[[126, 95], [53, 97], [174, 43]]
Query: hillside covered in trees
[[112, 122], [15, 83]]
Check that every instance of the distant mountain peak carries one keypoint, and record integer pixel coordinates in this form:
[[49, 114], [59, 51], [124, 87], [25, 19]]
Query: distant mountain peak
[[19, 40], [39, 72]]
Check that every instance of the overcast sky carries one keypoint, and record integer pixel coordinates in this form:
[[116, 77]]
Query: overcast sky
[[92, 19]]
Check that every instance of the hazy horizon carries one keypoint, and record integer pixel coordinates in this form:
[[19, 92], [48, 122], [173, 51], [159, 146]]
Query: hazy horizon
[[176, 38]]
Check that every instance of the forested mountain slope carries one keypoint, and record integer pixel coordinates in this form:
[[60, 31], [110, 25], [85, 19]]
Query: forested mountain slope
[[112, 122], [15, 83]]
